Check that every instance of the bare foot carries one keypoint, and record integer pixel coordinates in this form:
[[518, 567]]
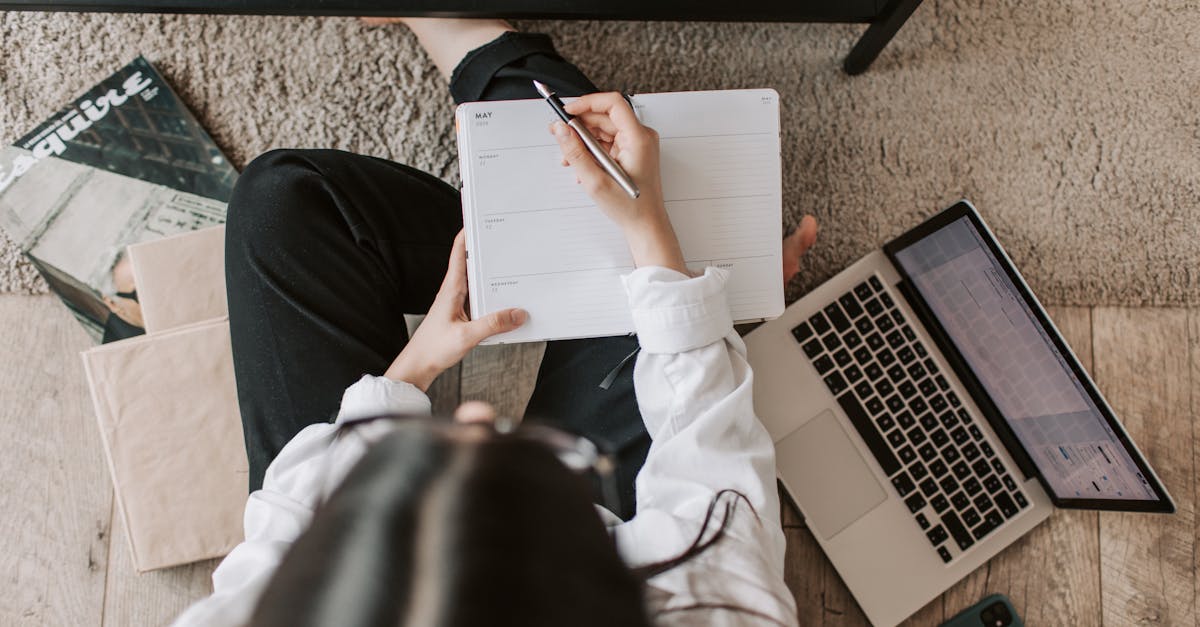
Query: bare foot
[[796, 244]]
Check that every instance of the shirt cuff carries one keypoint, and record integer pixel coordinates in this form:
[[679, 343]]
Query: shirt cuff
[[374, 396], [673, 313]]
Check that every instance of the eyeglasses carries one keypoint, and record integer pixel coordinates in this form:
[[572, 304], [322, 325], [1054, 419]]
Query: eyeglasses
[[578, 453]]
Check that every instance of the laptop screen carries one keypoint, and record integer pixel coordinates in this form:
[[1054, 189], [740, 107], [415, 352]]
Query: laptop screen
[[1012, 355]]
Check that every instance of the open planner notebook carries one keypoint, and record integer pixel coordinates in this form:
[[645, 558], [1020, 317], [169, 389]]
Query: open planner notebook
[[536, 241]]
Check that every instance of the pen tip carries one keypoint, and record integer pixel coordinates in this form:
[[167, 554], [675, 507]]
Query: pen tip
[[541, 89]]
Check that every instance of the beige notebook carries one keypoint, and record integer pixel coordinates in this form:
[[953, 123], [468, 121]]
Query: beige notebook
[[168, 415], [181, 279]]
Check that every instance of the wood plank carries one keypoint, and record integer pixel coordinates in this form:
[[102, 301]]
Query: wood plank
[[1148, 561], [502, 375], [1053, 573], [804, 571], [55, 493], [446, 391], [153, 598]]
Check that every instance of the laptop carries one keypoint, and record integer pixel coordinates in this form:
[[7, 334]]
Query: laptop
[[926, 414]]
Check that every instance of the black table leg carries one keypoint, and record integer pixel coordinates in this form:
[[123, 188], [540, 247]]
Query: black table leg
[[881, 31]]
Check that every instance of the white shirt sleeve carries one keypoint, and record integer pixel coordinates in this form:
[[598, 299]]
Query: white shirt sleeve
[[694, 390], [294, 483]]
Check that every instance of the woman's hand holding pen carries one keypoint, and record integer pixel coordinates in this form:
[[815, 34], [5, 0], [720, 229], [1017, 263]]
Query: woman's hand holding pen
[[643, 219]]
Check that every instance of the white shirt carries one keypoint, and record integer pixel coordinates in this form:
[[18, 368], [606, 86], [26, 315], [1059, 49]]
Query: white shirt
[[693, 388]]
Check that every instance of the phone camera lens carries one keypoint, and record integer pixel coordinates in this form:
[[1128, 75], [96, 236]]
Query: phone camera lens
[[996, 615]]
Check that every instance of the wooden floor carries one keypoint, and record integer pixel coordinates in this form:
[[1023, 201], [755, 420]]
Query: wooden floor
[[65, 560]]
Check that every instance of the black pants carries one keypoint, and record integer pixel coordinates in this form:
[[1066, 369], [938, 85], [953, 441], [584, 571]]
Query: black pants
[[326, 250]]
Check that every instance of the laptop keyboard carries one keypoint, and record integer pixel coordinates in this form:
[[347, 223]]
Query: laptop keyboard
[[930, 446]]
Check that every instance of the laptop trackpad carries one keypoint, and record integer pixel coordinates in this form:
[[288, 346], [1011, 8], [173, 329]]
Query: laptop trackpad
[[832, 482]]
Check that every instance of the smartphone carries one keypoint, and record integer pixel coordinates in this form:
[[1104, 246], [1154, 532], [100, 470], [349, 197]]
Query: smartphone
[[993, 611]]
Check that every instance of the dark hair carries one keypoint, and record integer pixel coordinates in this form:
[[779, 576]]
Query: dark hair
[[437, 531]]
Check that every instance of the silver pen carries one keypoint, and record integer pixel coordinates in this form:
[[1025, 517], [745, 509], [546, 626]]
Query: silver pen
[[609, 164]]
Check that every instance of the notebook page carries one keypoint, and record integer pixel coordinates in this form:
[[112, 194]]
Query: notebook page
[[538, 242]]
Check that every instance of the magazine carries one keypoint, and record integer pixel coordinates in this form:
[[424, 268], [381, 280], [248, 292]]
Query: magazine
[[124, 163]]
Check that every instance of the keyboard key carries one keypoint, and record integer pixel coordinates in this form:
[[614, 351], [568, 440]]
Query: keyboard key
[[994, 518], [972, 486], [971, 517], [874, 281], [1009, 483], [939, 503], [835, 382], [999, 467], [884, 323], [944, 553], [908, 333], [959, 435], [970, 451], [863, 390], [905, 355], [916, 436], [920, 349], [975, 432], [982, 529], [897, 317], [939, 438], [960, 501], [961, 470], [950, 454], [922, 521], [917, 372], [903, 484], [853, 374], [836, 317], [823, 364], [907, 389], [929, 487], [886, 299], [896, 374], [905, 419], [862, 291], [907, 454], [864, 325], [918, 471], [938, 468], [895, 339], [873, 371], [885, 358], [929, 422], [957, 530], [850, 305], [875, 341], [813, 348], [885, 423], [947, 419], [937, 535], [980, 467], [875, 406], [917, 405], [942, 383], [842, 357], [852, 340], [983, 502], [930, 366], [1006, 505], [927, 452], [949, 485], [915, 502], [993, 485], [802, 332], [863, 355], [987, 449], [831, 341], [953, 398], [819, 323], [927, 387], [1020, 499], [869, 434], [884, 387], [894, 403], [896, 438]]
